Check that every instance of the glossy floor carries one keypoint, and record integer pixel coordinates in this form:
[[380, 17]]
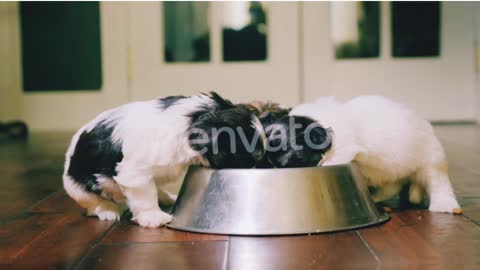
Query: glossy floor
[[41, 228]]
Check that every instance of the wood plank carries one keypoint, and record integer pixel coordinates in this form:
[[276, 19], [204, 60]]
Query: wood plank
[[30, 170], [186, 255], [52, 234], [127, 231], [424, 240], [45, 241], [327, 251], [59, 202], [20, 190]]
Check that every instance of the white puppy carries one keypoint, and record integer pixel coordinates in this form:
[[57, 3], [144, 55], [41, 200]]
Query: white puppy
[[390, 143]]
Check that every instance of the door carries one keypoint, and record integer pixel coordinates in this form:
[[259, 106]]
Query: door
[[243, 50], [421, 54]]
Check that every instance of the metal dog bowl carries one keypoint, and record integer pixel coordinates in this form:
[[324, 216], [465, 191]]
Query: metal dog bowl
[[274, 201]]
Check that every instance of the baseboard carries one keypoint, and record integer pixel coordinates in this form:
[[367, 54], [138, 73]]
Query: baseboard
[[453, 122]]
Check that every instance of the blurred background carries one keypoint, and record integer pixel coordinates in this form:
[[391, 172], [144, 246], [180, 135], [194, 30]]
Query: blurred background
[[64, 62]]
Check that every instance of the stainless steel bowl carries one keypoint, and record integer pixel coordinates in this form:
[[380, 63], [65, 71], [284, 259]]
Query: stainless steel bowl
[[274, 201]]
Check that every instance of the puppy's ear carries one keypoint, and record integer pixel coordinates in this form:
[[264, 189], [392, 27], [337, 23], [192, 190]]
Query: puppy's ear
[[223, 104], [208, 109]]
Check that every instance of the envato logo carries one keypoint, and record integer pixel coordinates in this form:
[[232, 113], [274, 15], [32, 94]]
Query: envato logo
[[276, 131]]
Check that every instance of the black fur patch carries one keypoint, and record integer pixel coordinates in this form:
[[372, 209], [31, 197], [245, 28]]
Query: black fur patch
[[289, 157], [166, 102], [219, 150], [95, 153]]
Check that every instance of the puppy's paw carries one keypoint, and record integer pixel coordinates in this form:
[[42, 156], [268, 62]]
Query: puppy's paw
[[446, 205], [107, 211], [152, 218]]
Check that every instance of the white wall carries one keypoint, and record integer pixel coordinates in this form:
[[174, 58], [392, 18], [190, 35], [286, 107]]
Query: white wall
[[439, 88]]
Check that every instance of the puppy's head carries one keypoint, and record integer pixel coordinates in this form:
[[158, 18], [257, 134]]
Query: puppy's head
[[296, 141], [230, 138]]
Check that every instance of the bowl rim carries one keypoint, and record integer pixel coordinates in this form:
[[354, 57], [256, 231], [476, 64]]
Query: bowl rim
[[270, 169], [383, 217]]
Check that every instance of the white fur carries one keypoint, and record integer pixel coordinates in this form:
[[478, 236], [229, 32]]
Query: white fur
[[155, 151], [389, 143]]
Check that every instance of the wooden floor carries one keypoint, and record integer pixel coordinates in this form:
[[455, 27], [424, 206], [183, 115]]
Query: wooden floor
[[41, 228]]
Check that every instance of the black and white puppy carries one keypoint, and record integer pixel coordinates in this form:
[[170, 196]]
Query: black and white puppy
[[124, 156]]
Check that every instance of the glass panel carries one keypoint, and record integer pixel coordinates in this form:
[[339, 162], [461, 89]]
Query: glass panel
[[355, 29], [60, 46], [415, 29], [186, 32], [244, 31]]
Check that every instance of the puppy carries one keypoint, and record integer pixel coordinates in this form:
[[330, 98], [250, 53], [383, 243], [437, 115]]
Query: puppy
[[123, 156], [388, 142]]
